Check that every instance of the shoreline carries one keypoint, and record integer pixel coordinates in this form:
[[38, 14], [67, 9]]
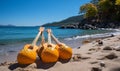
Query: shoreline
[[85, 58]]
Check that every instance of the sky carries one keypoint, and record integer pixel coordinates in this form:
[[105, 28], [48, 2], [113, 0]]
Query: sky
[[37, 12]]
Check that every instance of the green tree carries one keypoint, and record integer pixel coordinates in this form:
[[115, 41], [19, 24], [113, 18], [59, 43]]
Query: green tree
[[105, 10], [89, 9], [117, 2]]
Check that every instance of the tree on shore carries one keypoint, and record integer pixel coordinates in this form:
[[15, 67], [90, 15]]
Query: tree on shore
[[90, 9], [104, 10]]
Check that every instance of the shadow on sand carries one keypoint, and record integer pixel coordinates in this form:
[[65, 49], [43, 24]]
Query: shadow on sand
[[115, 69], [42, 65], [16, 65], [39, 64], [64, 61]]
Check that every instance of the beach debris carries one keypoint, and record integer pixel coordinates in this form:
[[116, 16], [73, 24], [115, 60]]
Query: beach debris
[[111, 56], [76, 57], [28, 54], [96, 69], [102, 64], [107, 48], [100, 42], [65, 52]]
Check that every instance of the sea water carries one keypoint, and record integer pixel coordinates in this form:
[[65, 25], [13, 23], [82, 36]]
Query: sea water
[[13, 35]]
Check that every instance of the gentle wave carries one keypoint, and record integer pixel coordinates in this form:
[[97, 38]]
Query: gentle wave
[[117, 32]]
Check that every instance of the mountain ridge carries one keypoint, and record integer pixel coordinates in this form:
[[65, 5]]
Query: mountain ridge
[[68, 21]]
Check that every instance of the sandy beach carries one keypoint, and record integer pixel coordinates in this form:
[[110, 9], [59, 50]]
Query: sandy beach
[[38, 35], [91, 56]]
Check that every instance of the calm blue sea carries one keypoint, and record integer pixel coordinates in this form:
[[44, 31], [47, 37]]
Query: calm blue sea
[[13, 35]]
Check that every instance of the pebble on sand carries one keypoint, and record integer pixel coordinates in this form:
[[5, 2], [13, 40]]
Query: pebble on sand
[[102, 64], [107, 48], [96, 69], [117, 48], [111, 56], [76, 57], [100, 42]]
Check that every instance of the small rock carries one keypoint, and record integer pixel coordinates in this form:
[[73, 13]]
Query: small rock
[[79, 56], [102, 64], [78, 48], [111, 56], [108, 39], [100, 42], [115, 69], [92, 49], [93, 62], [119, 38], [112, 35], [76, 57], [89, 53], [107, 48], [96, 69], [117, 48]]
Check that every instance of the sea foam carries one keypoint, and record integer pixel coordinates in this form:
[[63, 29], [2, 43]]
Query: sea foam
[[116, 32]]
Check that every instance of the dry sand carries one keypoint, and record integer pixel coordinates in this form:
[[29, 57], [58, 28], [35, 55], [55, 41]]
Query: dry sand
[[89, 57]]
